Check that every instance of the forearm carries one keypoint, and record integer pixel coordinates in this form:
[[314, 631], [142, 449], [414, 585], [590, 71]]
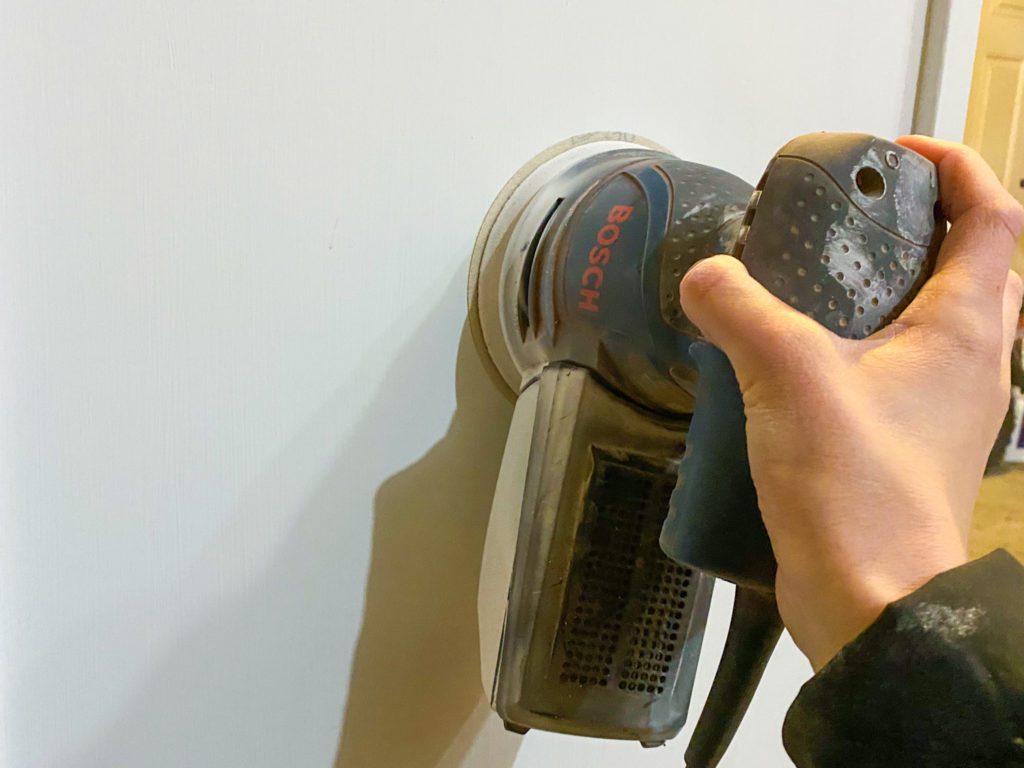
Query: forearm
[[937, 680]]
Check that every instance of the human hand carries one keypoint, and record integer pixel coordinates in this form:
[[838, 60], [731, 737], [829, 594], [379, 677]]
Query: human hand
[[868, 455]]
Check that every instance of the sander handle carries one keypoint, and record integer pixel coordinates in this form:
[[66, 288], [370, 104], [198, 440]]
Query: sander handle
[[715, 484]]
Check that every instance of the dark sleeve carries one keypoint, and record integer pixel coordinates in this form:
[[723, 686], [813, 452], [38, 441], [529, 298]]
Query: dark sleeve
[[937, 681]]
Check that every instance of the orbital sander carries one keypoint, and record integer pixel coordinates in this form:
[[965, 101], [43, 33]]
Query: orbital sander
[[625, 490]]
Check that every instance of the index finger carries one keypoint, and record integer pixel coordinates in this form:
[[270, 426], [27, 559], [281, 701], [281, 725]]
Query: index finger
[[966, 181], [972, 265]]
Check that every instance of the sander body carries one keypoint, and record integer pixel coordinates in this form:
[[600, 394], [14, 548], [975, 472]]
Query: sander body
[[625, 491]]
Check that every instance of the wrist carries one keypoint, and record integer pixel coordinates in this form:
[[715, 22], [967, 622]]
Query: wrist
[[828, 607]]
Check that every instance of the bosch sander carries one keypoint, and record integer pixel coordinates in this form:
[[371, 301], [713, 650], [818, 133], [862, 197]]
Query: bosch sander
[[625, 491]]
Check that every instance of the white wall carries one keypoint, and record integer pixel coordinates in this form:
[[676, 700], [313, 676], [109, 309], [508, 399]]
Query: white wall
[[951, 39], [957, 67], [246, 450]]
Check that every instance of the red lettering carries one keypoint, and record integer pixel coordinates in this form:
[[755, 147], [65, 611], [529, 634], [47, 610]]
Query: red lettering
[[593, 276], [597, 273], [611, 237], [588, 297], [619, 214]]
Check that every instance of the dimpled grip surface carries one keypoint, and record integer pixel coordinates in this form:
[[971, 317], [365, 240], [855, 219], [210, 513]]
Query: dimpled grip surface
[[842, 227]]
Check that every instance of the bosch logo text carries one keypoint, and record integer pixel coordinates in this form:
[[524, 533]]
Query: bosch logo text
[[593, 276]]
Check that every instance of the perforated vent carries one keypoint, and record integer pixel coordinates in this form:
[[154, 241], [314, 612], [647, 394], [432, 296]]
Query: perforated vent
[[624, 618]]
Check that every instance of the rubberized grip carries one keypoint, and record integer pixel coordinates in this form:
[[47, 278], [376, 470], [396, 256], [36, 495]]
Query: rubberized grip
[[715, 484]]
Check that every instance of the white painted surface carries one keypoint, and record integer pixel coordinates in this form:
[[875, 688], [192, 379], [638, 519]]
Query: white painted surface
[[957, 67], [233, 242]]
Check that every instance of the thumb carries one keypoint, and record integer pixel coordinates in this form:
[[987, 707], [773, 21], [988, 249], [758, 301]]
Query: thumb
[[739, 316]]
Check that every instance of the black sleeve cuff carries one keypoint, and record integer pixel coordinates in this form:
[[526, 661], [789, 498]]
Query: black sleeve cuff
[[936, 681]]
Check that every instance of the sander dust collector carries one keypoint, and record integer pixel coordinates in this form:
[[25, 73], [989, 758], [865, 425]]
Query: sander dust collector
[[624, 490]]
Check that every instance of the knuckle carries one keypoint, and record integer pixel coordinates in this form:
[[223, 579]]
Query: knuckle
[[976, 337], [965, 162], [1009, 213], [1001, 213], [969, 171], [961, 160]]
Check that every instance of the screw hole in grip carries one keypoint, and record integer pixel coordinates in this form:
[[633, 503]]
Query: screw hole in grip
[[870, 182]]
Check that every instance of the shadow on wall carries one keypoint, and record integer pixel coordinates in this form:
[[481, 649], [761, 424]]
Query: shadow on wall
[[415, 696], [253, 677]]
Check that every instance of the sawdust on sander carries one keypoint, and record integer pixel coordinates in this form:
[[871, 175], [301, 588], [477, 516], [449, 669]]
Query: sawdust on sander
[[999, 513]]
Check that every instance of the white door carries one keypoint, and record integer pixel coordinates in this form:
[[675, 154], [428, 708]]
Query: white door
[[246, 450], [995, 120]]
